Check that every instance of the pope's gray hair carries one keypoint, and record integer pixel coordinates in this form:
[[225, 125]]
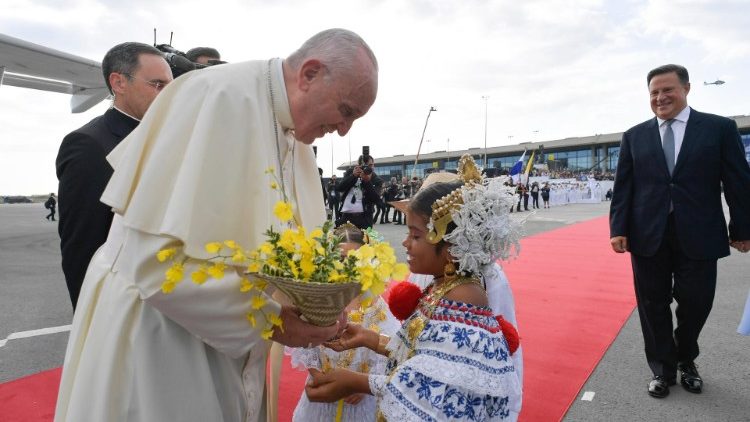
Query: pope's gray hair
[[336, 48]]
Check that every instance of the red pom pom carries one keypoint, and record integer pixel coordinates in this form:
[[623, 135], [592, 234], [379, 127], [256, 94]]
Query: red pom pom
[[403, 298], [510, 333]]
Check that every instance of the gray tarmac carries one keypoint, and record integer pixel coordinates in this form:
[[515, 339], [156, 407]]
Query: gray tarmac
[[33, 296]]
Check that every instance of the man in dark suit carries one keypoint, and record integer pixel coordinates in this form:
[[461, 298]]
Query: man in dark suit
[[359, 193], [666, 210], [134, 74]]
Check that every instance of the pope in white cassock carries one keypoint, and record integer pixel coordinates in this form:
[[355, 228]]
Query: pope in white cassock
[[193, 173]]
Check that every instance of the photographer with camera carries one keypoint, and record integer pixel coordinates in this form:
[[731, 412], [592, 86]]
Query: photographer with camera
[[204, 55], [359, 189]]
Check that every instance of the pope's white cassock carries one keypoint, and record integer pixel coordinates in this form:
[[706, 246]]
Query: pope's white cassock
[[191, 173]]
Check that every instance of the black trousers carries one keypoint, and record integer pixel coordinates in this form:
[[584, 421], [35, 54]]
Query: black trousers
[[535, 199], [660, 278]]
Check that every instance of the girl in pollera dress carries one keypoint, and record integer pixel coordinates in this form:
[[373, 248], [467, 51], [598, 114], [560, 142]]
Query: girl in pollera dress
[[451, 358], [376, 317]]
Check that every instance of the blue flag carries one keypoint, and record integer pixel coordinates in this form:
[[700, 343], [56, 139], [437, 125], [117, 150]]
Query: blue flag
[[516, 169]]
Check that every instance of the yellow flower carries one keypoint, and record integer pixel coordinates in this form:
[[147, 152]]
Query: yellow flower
[[316, 233], [251, 318], [307, 267], [257, 302], [274, 186], [217, 270], [231, 244], [269, 170], [167, 286], [288, 241], [254, 267], [165, 254], [213, 247], [246, 285], [200, 276], [275, 320], [366, 301], [283, 211], [400, 271], [238, 256], [336, 276], [266, 248], [295, 270], [175, 273], [267, 333], [365, 253], [260, 284]]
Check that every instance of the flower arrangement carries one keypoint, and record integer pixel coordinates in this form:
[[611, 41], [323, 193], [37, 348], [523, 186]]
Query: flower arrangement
[[311, 259]]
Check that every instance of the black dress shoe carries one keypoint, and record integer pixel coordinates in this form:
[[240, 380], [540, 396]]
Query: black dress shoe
[[689, 378], [659, 386]]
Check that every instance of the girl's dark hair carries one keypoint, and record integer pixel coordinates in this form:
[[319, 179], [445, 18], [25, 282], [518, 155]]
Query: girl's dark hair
[[422, 202], [350, 234]]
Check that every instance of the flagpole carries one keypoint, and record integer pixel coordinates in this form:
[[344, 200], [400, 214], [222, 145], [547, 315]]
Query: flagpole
[[485, 98], [414, 169]]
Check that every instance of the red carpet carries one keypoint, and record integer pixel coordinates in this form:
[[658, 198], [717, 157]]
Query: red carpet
[[573, 294], [30, 399]]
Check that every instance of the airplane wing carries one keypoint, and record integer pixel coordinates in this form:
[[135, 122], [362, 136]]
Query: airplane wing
[[27, 65]]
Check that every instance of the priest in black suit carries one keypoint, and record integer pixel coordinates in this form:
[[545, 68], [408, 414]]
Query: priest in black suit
[[134, 74], [666, 210]]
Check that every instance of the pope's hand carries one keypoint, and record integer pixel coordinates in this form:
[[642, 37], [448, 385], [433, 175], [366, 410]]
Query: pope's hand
[[619, 244], [297, 333]]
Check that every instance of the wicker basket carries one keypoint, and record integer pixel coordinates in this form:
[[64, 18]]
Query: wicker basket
[[320, 303]]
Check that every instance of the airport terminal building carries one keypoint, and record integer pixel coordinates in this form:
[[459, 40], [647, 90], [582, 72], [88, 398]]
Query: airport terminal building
[[589, 153]]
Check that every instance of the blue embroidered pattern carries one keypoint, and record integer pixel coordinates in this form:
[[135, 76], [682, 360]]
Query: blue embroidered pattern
[[450, 402], [491, 346], [452, 345]]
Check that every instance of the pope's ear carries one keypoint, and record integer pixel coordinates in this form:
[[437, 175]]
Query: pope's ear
[[311, 70]]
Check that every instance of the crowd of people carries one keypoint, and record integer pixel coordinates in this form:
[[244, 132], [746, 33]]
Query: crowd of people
[[171, 165], [376, 195]]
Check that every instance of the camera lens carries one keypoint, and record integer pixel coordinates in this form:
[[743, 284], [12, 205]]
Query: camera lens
[[367, 170]]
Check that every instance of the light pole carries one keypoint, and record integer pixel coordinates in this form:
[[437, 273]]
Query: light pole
[[414, 169], [485, 98]]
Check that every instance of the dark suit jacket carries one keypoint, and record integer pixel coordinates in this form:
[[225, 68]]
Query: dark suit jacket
[[83, 172], [370, 190], [711, 155]]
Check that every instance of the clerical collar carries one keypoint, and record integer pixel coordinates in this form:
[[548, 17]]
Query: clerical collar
[[280, 101], [115, 107]]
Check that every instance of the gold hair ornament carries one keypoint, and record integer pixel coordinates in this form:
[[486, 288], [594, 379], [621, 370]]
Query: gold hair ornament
[[443, 207]]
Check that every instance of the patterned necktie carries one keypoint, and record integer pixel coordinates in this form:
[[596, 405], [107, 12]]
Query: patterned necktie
[[668, 146]]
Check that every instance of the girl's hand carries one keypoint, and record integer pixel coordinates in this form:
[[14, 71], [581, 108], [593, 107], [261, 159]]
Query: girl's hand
[[354, 336], [334, 385], [354, 399]]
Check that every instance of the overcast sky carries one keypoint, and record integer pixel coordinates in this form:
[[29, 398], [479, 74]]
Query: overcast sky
[[551, 69]]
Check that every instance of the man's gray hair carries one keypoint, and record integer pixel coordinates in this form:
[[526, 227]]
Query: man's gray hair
[[336, 48], [123, 58]]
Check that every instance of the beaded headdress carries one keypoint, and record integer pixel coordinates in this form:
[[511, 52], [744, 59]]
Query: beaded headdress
[[480, 209]]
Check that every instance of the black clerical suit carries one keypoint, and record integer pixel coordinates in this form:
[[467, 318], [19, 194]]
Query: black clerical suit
[[83, 173], [685, 242]]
